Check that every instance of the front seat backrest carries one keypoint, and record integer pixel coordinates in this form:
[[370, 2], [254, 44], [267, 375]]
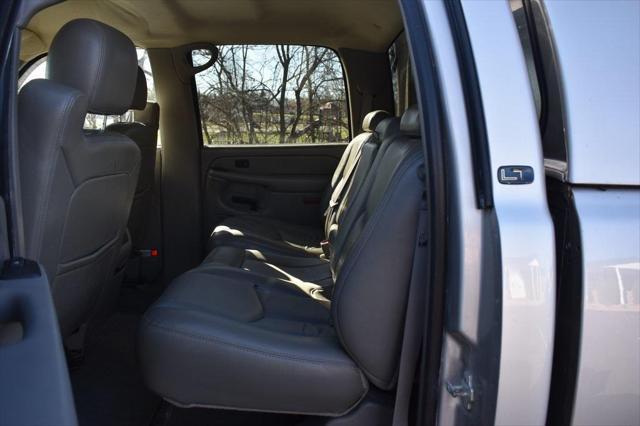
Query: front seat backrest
[[77, 185], [144, 132]]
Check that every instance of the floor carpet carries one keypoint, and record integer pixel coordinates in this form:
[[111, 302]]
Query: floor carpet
[[108, 387]]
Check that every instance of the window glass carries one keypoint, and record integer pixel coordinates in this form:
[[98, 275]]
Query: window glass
[[37, 70], [393, 63], [97, 121], [401, 78], [272, 94]]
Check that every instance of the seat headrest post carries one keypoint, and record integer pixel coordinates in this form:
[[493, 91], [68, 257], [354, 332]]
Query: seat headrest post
[[410, 122], [372, 119], [97, 60]]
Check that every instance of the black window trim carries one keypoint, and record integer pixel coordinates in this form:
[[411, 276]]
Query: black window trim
[[434, 140], [9, 50], [473, 105]]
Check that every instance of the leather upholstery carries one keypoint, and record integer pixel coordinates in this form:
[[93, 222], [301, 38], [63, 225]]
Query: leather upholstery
[[269, 234], [226, 338], [139, 101], [253, 231], [410, 122], [290, 252], [253, 341], [77, 186], [373, 262], [372, 119], [150, 115], [144, 132], [98, 61], [273, 263], [387, 128]]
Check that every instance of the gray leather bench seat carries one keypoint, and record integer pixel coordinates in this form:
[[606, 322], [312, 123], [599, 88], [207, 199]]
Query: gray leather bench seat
[[274, 263], [254, 232], [225, 337], [267, 256], [231, 339], [247, 231]]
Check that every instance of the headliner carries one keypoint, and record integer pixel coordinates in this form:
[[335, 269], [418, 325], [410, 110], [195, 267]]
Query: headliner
[[358, 24]]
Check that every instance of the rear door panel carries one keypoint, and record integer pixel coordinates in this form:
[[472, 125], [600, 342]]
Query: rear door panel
[[35, 384], [34, 380], [285, 182]]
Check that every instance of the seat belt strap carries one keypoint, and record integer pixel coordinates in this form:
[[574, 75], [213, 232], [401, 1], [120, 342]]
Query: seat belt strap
[[338, 192], [415, 311], [340, 187]]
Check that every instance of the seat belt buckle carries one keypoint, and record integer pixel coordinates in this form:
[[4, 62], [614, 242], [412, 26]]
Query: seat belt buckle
[[148, 252], [325, 245]]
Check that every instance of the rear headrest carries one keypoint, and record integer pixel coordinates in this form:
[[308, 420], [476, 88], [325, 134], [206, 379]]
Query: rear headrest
[[410, 122], [140, 95], [372, 119], [388, 128], [150, 115], [97, 60]]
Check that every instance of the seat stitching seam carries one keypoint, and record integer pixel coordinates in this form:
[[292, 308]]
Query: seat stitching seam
[[368, 233], [162, 326], [57, 145]]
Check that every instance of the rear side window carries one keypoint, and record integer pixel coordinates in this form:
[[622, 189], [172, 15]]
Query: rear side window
[[401, 78], [95, 121], [272, 94]]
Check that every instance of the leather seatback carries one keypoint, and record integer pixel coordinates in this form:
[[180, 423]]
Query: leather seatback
[[77, 185], [373, 257], [144, 132]]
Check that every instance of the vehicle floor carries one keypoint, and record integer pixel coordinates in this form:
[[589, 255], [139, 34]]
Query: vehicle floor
[[108, 386]]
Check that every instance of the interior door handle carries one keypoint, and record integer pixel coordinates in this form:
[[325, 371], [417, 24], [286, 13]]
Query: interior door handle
[[251, 202], [242, 163]]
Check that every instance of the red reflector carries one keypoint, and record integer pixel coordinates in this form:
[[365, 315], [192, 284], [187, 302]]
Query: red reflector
[[154, 253]]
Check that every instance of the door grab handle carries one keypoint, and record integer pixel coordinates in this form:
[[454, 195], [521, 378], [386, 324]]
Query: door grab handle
[[252, 203], [242, 164]]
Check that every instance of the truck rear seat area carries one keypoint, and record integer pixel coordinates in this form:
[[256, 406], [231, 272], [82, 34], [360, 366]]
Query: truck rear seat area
[[267, 325], [249, 246], [251, 232]]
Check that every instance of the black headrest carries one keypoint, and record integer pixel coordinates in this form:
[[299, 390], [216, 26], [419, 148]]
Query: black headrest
[[410, 122], [372, 119], [150, 115], [97, 60], [140, 95], [389, 127]]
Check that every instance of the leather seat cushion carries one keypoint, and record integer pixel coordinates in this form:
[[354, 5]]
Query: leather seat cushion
[[269, 263], [222, 337], [260, 232]]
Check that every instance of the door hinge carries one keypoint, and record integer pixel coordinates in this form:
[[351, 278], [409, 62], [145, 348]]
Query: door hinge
[[465, 391]]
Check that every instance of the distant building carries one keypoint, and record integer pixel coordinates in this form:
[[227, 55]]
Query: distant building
[[330, 112]]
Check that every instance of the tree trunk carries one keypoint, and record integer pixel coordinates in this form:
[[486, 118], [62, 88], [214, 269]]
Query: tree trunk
[[310, 96], [285, 60], [296, 120], [206, 133]]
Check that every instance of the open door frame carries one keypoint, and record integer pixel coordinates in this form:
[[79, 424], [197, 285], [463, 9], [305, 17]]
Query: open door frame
[[34, 379]]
